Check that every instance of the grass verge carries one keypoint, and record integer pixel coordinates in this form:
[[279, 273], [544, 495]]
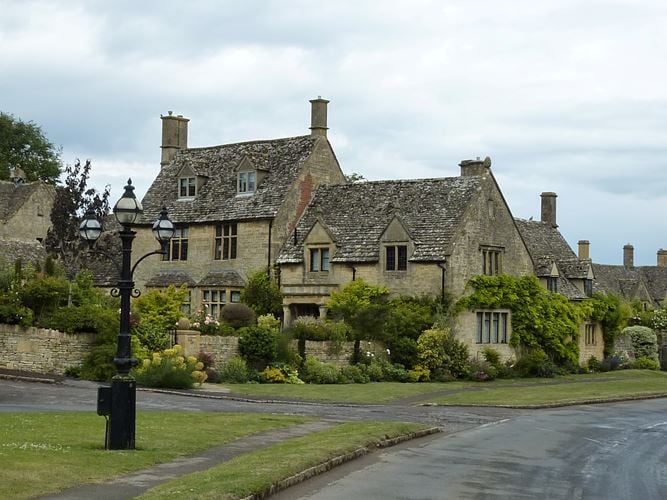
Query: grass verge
[[256, 472], [564, 390], [47, 452]]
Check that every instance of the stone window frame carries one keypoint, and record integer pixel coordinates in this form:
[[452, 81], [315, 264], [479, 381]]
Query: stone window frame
[[321, 257], [244, 186], [213, 299], [186, 305], [187, 187], [225, 241], [588, 287], [590, 334], [398, 263], [492, 326], [492, 259], [177, 248], [552, 284]]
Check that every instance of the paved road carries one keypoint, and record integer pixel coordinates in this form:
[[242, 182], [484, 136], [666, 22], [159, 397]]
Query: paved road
[[615, 451]]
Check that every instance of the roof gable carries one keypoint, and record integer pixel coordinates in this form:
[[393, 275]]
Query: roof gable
[[396, 231]]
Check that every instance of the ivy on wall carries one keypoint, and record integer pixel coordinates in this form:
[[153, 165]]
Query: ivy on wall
[[540, 319], [613, 315]]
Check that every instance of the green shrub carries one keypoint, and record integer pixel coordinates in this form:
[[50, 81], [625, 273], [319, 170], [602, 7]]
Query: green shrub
[[235, 371], [83, 319], [396, 373], [170, 369], [237, 315], [316, 372], [259, 346], [491, 356], [375, 371], [152, 336], [98, 363], [44, 294], [273, 375], [535, 363], [594, 364], [161, 307], [419, 374], [644, 341], [262, 294], [15, 314], [481, 371], [611, 363], [646, 364], [442, 354], [403, 350], [353, 374], [408, 317]]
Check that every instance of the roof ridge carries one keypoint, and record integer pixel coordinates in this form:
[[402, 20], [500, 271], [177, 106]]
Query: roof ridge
[[260, 141]]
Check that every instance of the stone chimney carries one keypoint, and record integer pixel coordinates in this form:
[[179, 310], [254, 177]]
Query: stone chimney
[[662, 258], [549, 208], [584, 246], [318, 117], [174, 136], [628, 255], [475, 167]]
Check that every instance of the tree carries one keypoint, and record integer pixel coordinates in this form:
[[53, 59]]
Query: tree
[[24, 145], [72, 201], [262, 295], [354, 177], [363, 307]]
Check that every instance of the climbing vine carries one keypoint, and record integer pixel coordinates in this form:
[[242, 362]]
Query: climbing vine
[[613, 315], [541, 320]]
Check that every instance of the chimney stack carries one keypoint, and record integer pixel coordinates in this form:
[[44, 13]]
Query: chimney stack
[[628, 255], [475, 167], [174, 136], [318, 117], [584, 246], [662, 258], [549, 208]]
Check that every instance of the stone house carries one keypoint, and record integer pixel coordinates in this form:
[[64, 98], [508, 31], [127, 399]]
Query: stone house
[[233, 207], [427, 236], [562, 271]]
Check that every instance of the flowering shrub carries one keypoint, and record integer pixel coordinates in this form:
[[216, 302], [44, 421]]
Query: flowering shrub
[[172, 369], [644, 341], [419, 374], [280, 374], [205, 323]]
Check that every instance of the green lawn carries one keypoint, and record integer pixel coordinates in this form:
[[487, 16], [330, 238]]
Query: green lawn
[[564, 390], [523, 391], [47, 452], [255, 472]]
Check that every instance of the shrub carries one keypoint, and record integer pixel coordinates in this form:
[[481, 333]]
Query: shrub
[[205, 323], [646, 364], [83, 319], [441, 353], [594, 364], [611, 363], [316, 372], [375, 371], [353, 374], [259, 346], [396, 373], [152, 336], [491, 356], [235, 371], [403, 351], [644, 341], [419, 374], [237, 315], [408, 317], [170, 369], [481, 371], [161, 307], [262, 294], [273, 375], [15, 314], [535, 363], [208, 360]]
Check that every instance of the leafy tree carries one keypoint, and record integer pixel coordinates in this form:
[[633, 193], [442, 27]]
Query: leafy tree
[[363, 307], [161, 308], [24, 145], [354, 177], [72, 201], [262, 295]]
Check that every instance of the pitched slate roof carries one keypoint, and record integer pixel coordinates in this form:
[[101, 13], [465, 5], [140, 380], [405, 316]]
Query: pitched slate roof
[[13, 196], [217, 199], [166, 278], [12, 249], [356, 215], [647, 283], [546, 246], [222, 278]]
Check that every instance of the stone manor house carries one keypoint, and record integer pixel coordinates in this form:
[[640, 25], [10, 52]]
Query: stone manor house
[[285, 205]]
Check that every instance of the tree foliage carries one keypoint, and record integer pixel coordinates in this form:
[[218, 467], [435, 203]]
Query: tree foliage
[[262, 294], [613, 315], [540, 319], [161, 308], [72, 201], [24, 145]]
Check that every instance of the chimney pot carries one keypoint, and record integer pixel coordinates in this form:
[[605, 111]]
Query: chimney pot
[[475, 167], [318, 117], [662, 258], [549, 208], [584, 248], [628, 255]]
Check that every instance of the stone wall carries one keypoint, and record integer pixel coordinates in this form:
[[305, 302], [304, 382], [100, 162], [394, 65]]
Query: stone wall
[[43, 351]]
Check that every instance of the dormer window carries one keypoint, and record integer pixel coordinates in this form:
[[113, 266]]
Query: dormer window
[[247, 182], [187, 187]]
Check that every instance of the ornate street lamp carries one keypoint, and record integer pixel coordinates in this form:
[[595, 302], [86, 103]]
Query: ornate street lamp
[[122, 394]]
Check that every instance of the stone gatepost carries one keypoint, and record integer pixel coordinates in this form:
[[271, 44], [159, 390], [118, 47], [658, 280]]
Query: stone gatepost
[[189, 340]]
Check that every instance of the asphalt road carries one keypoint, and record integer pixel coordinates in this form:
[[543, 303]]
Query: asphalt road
[[615, 451]]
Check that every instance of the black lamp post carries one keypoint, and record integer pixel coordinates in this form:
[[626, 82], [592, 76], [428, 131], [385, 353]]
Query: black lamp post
[[122, 394]]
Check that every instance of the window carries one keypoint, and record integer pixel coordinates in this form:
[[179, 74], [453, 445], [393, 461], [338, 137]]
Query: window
[[552, 284], [187, 187], [236, 296], [177, 249], [492, 327], [186, 304], [225, 242], [213, 301], [397, 258], [319, 259], [588, 287], [247, 182], [491, 261], [590, 336]]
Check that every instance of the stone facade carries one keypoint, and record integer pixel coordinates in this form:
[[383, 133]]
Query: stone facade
[[25, 210], [42, 351]]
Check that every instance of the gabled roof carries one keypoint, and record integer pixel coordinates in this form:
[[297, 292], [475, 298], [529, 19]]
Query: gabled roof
[[166, 278], [217, 199], [357, 215], [12, 249], [13, 196], [646, 283], [222, 278]]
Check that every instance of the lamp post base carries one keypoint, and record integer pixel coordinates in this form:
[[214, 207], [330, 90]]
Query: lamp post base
[[123, 413]]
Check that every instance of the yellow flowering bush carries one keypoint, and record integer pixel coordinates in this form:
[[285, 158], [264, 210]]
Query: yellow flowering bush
[[170, 368]]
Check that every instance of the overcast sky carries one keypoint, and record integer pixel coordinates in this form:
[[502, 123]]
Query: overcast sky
[[565, 96]]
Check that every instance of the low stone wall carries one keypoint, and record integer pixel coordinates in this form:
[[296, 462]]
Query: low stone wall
[[43, 351]]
